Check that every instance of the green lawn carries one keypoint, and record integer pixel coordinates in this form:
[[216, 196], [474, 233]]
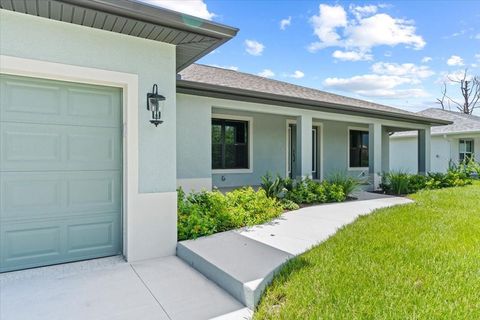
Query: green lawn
[[418, 261]]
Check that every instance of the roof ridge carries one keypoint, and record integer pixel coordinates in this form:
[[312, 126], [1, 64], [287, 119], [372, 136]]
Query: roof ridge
[[455, 113]]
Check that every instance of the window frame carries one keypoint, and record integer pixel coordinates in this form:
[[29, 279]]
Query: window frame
[[472, 152], [227, 117], [350, 168]]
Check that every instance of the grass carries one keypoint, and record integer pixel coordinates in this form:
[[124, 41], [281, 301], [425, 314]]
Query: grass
[[418, 261]]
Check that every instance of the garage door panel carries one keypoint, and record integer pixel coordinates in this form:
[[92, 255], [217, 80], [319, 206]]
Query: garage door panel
[[94, 191], [30, 195], [32, 100], [92, 105], [30, 144], [94, 235], [27, 196], [93, 147], [32, 147], [27, 97], [30, 243]]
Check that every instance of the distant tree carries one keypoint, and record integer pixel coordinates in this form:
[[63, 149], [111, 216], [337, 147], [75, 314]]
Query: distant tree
[[470, 93]]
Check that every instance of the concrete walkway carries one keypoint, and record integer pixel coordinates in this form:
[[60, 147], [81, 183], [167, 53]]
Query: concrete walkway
[[112, 289], [244, 261]]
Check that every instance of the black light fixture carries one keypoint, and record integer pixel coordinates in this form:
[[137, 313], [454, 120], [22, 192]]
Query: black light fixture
[[155, 103]]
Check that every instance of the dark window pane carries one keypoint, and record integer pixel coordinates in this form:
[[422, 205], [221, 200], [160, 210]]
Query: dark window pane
[[229, 144], [359, 149], [216, 133], [229, 134], [216, 156]]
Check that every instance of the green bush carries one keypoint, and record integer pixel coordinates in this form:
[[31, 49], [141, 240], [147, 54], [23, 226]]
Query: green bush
[[274, 188], [308, 191], [403, 183], [207, 212], [289, 205], [348, 184], [396, 182]]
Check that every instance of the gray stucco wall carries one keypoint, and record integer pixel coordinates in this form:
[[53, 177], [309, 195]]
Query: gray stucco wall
[[269, 145], [194, 157], [335, 147], [37, 38], [269, 149]]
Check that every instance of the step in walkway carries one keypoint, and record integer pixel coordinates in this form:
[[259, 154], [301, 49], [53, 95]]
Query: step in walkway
[[243, 262]]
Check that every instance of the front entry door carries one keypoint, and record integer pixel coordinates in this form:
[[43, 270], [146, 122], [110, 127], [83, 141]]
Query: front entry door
[[292, 148]]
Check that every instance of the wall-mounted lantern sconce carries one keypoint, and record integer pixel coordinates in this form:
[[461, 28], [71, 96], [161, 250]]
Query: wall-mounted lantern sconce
[[155, 103]]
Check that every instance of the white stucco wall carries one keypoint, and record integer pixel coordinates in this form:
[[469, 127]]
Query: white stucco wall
[[443, 150], [154, 222]]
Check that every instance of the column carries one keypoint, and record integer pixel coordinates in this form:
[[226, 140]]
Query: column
[[304, 146], [424, 157], [375, 153]]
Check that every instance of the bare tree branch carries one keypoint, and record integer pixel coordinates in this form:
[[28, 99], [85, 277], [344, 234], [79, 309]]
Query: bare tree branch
[[469, 91]]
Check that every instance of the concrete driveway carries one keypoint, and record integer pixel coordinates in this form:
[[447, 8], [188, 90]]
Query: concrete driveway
[[110, 288]]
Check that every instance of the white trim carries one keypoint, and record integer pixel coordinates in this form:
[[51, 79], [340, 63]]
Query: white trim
[[348, 148], [250, 143], [287, 147], [320, 125], [139, 241]]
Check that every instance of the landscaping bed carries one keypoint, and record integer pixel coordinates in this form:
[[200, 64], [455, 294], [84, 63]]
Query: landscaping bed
[[208, 212], [416, 261]]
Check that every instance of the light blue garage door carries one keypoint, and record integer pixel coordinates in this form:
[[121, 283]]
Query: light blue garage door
[[60, 172]]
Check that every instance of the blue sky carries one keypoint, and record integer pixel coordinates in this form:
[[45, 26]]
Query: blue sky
[[394, 52]]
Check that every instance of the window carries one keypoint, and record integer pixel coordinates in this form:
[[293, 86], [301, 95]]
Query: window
[[229, 144], [358, 149], [466, 149]]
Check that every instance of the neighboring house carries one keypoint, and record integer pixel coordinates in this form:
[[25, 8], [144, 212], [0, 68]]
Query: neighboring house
[[450, 144], [83, 172]]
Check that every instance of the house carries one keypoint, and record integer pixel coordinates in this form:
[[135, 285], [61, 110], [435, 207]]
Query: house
[[86, 171], [450, 144]]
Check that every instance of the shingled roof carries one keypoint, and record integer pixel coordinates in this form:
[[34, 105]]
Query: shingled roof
[[461, 122], [202, 76]]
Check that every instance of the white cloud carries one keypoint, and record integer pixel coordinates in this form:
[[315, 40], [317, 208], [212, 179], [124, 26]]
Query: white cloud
[[325, 24], [197, 8], [366, 30], [351, 55], [477, 56], [363, 11], [455, 61], [404, 70], [254, 48], [382, 29], [477, 36], [234, 68], [266, 73], [426, 59], [377, 85], [284, 23], [297, 74]]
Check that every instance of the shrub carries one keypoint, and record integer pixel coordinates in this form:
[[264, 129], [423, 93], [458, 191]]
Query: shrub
[[274, 188], [396, 182], [308, 191], [403, 183], [207, 212], [289, 205], [348, 184]]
